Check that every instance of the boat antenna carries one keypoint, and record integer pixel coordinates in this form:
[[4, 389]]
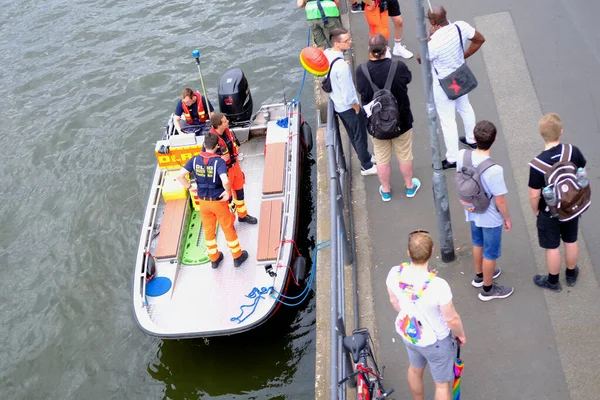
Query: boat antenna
[[196, 55], [283, 88]]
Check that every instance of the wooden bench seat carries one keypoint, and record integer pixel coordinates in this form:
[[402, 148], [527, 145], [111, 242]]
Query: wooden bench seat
[[274, 171], [269, 229], [171, 229]]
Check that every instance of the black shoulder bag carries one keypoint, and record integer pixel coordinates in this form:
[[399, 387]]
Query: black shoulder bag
[[326, 83], [462, 80]]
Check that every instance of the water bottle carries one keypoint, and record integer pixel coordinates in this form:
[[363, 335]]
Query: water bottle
[[550, 198], [582, 178]]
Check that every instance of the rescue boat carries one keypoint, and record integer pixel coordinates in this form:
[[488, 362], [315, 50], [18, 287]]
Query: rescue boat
[[176, 293]]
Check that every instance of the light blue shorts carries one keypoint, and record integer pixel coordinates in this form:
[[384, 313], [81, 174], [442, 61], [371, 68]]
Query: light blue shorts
[[488, 238]]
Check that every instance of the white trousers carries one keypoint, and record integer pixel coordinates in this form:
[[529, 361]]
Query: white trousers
[[446, 110]]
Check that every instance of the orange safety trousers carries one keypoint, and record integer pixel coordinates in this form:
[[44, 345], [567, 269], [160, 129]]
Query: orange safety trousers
[[378, 21], [212, 212], [237, 179]]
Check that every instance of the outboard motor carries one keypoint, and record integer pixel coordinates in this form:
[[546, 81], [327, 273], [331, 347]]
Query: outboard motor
[[235, 100]]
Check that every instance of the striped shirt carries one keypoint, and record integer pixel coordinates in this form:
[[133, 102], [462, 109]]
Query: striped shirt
[[445, 52]]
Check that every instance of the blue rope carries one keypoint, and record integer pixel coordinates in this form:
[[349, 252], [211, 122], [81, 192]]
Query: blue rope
[[258, 294], [303, 76], [308, 286]]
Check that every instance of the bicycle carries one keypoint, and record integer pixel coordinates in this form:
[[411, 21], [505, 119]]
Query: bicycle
[[369, 380]]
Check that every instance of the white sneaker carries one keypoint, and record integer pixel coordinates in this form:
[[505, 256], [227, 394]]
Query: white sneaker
[[370, 171], [373, 159], [388, 54], [401, 51], [240, 156]]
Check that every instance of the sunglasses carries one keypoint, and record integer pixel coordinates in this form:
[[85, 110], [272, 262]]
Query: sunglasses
[[419, 231]]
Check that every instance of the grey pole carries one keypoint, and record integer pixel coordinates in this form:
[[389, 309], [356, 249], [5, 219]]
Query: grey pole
[[333, 187], [440, 187]]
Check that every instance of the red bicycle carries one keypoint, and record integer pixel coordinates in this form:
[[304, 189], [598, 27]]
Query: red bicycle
[[369, 381]]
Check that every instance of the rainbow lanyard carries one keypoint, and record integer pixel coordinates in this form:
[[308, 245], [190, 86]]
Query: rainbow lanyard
[[408, 288]]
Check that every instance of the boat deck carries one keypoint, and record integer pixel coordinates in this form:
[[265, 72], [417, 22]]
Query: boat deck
[[196, 300], [204, 299]]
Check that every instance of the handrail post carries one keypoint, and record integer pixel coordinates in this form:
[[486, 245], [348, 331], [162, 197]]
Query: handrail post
[[330, 141], [440, 187]]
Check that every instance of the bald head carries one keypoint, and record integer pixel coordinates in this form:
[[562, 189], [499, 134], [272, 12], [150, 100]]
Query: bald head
[[437, 15]]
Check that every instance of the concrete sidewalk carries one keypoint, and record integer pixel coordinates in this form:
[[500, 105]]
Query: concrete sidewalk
[[533, 345]]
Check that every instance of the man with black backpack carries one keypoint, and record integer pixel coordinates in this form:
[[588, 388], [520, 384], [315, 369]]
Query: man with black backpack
[[558, 173], [383, 87], [482, 191]]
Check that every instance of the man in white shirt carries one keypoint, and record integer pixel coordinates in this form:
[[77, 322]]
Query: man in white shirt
[[424, 305], [345, 100], [447, 53]]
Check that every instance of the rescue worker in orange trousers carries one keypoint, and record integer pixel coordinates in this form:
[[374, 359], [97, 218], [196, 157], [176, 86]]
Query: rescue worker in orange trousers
[[228, 149], [193, 108], [210, 172]]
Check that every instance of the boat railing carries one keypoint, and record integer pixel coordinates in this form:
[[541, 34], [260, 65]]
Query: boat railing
[[340, 363]]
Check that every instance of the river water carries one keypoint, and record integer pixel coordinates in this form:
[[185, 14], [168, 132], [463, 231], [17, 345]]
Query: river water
[[85, 87]]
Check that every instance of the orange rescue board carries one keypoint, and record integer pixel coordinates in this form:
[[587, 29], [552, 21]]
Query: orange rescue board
[[170, 229], [274, 168], [269, 229]]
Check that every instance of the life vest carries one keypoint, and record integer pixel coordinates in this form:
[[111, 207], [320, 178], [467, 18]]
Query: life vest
[[206, 175], [224, 149], [202, 116], [329, 8]]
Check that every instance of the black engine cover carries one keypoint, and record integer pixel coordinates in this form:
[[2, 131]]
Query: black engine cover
[[235, 100]]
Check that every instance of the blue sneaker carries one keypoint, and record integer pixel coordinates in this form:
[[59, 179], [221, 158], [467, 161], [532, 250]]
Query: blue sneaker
[[385, 196], [412, 191], [357, 7]]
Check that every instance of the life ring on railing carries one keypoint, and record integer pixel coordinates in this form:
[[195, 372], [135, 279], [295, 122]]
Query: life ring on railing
[[307, 136], [299, 270]]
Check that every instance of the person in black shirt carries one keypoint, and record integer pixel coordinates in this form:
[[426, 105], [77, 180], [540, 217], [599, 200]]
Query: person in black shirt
[[551, 230], [378, 67]]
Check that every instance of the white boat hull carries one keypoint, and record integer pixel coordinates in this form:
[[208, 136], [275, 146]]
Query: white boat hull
[[206, 302]]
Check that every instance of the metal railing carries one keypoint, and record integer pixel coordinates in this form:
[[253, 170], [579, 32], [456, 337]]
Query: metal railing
[[340, 253]]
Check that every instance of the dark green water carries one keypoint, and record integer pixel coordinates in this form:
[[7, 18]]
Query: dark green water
[[85, 89]]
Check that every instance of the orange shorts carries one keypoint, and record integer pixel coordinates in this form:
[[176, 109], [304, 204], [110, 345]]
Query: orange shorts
[[236, 177], [378, 21]]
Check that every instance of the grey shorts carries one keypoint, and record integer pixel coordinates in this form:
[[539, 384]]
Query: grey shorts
[[440, 357]]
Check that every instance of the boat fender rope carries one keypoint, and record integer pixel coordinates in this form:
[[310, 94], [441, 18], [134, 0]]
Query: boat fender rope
[[257, 294], [295, 101], [288, 241]]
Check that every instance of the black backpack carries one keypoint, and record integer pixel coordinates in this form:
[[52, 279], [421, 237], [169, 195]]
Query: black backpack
[[561, 177], [326, 83], [383, 122]]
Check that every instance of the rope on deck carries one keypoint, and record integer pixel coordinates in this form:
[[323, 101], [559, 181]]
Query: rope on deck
[[258, 293]]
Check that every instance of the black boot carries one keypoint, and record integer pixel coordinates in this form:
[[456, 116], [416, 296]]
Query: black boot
[[240, 260], [215, 264], [249, 219]]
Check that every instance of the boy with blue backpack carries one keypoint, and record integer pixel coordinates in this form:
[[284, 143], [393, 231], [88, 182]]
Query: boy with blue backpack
[[482, 191]]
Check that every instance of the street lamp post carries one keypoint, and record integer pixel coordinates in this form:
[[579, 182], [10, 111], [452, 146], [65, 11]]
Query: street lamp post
[[440, 186]]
